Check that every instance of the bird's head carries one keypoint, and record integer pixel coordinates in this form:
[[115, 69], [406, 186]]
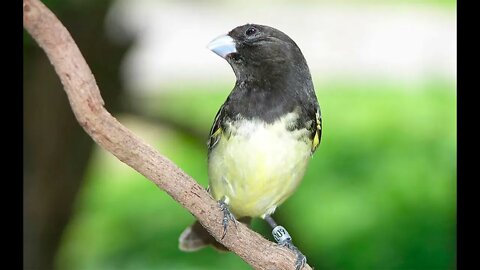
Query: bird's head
[[259, 51]]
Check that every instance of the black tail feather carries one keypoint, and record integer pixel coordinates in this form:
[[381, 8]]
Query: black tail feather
[[196, 237]]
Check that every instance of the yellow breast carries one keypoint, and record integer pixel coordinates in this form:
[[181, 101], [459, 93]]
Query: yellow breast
[[258, 166]]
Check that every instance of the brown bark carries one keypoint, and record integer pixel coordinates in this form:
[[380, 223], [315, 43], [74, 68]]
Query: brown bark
[[87, 105]]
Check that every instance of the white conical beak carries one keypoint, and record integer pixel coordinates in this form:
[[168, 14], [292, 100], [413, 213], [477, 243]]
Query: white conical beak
[[222, 45]]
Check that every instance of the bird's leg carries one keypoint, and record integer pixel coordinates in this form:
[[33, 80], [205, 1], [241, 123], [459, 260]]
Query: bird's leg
[[283, 238], [227, 215]]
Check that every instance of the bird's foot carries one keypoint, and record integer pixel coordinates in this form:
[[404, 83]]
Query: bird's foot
[[301, 259], [284, 239], [227, 215]]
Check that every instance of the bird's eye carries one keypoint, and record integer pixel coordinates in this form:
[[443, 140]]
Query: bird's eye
[[250, 31]]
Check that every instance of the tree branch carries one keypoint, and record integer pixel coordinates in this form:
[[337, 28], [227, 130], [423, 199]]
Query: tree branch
[[87, 105]]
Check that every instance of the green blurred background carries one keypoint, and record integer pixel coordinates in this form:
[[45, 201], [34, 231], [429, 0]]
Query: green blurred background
[[379, 193]]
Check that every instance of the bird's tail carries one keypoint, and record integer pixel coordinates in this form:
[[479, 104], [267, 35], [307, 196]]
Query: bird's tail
[[195, 237]]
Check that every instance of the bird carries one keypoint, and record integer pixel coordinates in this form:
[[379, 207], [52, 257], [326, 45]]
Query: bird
[[264, 134]]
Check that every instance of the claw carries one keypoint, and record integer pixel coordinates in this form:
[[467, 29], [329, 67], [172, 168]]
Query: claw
[[301, 259], [227, 215], [284, 239]]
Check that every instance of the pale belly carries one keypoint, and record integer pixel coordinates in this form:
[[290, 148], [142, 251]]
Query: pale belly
[[258, 167]]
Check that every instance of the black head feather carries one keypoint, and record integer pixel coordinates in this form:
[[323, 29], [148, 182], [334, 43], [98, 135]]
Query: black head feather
[[263, 51], [273, 79]]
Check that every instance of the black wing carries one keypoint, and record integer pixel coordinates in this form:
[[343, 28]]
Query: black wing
[[216, 129], [317, 130]]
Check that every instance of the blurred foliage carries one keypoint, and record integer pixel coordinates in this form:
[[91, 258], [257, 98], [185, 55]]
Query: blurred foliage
[[379, 192], [56, 149], [441, 3], [429, 3]]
